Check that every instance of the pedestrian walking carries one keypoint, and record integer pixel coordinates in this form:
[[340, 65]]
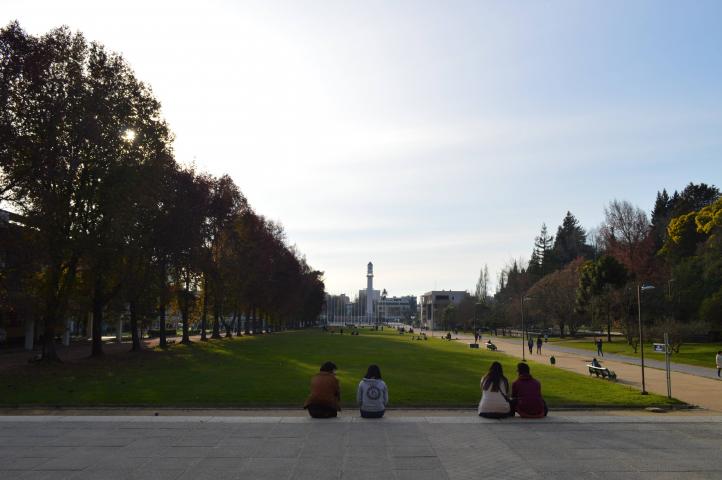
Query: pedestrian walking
[[718, 361], [599, 348], [539, 343], [530, 343], [476, 337]]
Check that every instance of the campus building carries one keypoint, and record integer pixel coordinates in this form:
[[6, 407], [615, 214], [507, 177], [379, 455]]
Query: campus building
[[370, 307], [433, 304]]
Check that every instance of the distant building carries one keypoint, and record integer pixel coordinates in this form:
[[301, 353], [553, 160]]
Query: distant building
[[397, 309], [433, 304], [371, 307]]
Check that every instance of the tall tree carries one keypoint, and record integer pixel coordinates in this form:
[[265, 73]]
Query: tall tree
[[570, 241], [482, 285]]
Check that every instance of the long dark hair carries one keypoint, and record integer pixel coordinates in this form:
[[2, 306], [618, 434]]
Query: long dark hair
[[494, 377], [373, 372]]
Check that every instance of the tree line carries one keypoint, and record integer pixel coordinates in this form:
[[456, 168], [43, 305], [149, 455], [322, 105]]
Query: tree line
[[112, 221], [578, 278]]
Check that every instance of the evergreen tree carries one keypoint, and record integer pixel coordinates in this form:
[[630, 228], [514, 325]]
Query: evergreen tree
[[541, 261], [570, 241]]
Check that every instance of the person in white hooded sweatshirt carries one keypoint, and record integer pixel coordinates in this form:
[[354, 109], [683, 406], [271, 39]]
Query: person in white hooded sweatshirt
[[372, 394]]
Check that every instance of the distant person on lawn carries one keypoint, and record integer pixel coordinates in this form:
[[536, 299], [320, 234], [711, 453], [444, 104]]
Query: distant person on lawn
[[526, 395], [494, 394], [599, 348], [718, 361], [539, 343], [323, 402], [372, 394], [530, 343]]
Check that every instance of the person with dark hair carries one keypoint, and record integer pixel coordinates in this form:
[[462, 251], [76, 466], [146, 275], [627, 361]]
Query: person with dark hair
[[599, 348], [539, 343], [526, 395], [494, 401], [718, 361], [372, 394], [323, 401], [530, 344]]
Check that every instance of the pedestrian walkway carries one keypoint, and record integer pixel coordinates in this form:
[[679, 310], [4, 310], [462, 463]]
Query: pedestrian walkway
[[676, 367], [349, 448], [690, 388]]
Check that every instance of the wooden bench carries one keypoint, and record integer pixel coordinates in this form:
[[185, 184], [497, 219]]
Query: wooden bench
[[604, 372]]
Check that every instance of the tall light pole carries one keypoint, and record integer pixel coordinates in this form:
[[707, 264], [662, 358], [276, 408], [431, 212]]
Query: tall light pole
[[523, 343], [642, 288]]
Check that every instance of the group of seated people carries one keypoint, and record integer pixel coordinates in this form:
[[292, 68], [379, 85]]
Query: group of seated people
[[498, 400]]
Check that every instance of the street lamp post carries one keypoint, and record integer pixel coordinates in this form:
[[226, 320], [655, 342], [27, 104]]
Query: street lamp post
[[523, 343], [641, 288]]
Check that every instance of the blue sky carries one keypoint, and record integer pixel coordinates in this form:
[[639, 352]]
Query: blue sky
[[428, 137]]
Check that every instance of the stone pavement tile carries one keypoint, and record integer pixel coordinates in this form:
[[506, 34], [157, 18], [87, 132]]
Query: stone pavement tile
[[21, 463], [259, 468], [371, 464], [319, 450], [324, 463], [712, 475], [238, 442], [199, 473], [152, 474], [169, 463], [416, 463], [290, 430], [366, 451], [222, 463], [186, 451], [405, 450], [436, 474], [196, 440], [279, 448], [318, 470], [69, 462], [252, 449], [367, 474], [45, 475]]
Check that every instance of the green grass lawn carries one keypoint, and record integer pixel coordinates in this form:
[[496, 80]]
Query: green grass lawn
[[700, 354], [274, 370]]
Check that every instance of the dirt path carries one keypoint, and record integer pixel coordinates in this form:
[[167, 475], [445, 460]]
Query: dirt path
[[692, 389]]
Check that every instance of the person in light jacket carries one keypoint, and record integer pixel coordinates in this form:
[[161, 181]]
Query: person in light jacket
[[372, 394], [718, 361], [494, 393]]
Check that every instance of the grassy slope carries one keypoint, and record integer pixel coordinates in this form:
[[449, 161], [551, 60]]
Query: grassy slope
[[700, 354], [275, 370]]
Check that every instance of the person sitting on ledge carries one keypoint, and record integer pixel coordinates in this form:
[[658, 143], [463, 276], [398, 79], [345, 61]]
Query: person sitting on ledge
[[323, 402], [494, 394], [526, 395], [372, 394], [595, 362]]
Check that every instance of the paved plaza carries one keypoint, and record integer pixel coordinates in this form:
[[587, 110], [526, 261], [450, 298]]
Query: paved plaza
[[658, 447]]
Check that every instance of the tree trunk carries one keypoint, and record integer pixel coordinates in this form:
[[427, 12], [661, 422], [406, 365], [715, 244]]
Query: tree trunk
[[216, 321], [561, 329], [254, 324], [134, 327], [161, 306], [246, 322], [609, 321], [184, 312], [204, 313], [49, 352], [237, 318], [97, 347]]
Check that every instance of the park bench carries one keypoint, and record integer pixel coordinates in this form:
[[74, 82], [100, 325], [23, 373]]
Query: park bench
[[604, 372]]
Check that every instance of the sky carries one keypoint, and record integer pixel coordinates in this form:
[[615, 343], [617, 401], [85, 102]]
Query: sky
[[431, 138]]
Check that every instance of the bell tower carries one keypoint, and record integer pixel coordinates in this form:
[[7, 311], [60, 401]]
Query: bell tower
[[370, 293]]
